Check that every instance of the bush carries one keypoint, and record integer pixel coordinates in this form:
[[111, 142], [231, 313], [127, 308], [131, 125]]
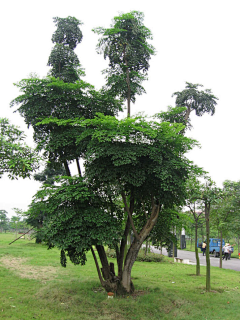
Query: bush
[[150, 257]]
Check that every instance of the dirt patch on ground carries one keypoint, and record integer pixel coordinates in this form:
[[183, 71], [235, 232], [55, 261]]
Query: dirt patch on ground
[[24, 270]]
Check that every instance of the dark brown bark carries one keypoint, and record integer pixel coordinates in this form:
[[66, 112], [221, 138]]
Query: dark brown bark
[[97, 266], [122, 248], [122, 283], [78, 167], [104, 261], [21, 235], [135, 247], [130, 214], [68, 173]]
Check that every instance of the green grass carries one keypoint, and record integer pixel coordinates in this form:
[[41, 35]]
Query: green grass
[[33, 285]]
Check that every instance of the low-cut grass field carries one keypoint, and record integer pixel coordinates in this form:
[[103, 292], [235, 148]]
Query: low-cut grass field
[[33, 285]]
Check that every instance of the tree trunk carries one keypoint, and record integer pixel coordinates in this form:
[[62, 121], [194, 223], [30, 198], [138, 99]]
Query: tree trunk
[[128, 83], [68, 173], [196, 252], [78, 167], [188, 111], [220, 262], [238, 244], [122, 283], [123, 248], [207, 213], [129, 261]]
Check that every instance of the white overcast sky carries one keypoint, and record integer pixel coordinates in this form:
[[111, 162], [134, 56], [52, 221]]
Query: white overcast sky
[[196, 41]]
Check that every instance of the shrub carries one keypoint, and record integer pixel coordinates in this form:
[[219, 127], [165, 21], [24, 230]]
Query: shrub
[[150, 257]]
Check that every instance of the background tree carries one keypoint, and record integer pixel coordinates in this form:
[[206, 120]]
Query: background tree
[[209, 195], [221, 217], [232, 189], [3, 220], [16, 158], [14, 224], [126, 46], [162, 233], [192, 202], [195, 100]]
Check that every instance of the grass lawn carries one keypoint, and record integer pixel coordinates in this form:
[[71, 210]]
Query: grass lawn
[[33, 285]]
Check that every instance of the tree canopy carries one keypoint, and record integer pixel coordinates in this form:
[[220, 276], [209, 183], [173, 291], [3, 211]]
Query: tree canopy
[[195, 100], [133, 161], [126, 46], [63, 60]]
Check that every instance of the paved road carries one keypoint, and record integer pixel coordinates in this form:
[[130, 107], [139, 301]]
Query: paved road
[[233, 264]]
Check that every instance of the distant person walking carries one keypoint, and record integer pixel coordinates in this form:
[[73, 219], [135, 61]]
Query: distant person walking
[[230, 249], [204, 246], [226, 251]]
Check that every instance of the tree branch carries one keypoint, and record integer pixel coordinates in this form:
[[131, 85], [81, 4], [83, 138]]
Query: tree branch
[[130, 216], [122, 247], [97, 266], [78, 167]]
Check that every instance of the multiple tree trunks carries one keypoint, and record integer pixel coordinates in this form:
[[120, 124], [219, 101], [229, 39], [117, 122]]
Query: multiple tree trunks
[[122, 284]]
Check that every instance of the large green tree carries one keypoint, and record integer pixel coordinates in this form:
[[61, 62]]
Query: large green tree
[[139, 162], [134, 168]]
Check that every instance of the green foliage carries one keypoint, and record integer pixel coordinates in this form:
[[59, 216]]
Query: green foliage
[[126, 46], [134, 168], [75, 218], [51, 97], [68, 32], [162, 234], [126, 39], [48, 175], [3, 220], [139, 156], [16, 158], [194, 99], [227, 209], [63, 60], [173, 115]]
